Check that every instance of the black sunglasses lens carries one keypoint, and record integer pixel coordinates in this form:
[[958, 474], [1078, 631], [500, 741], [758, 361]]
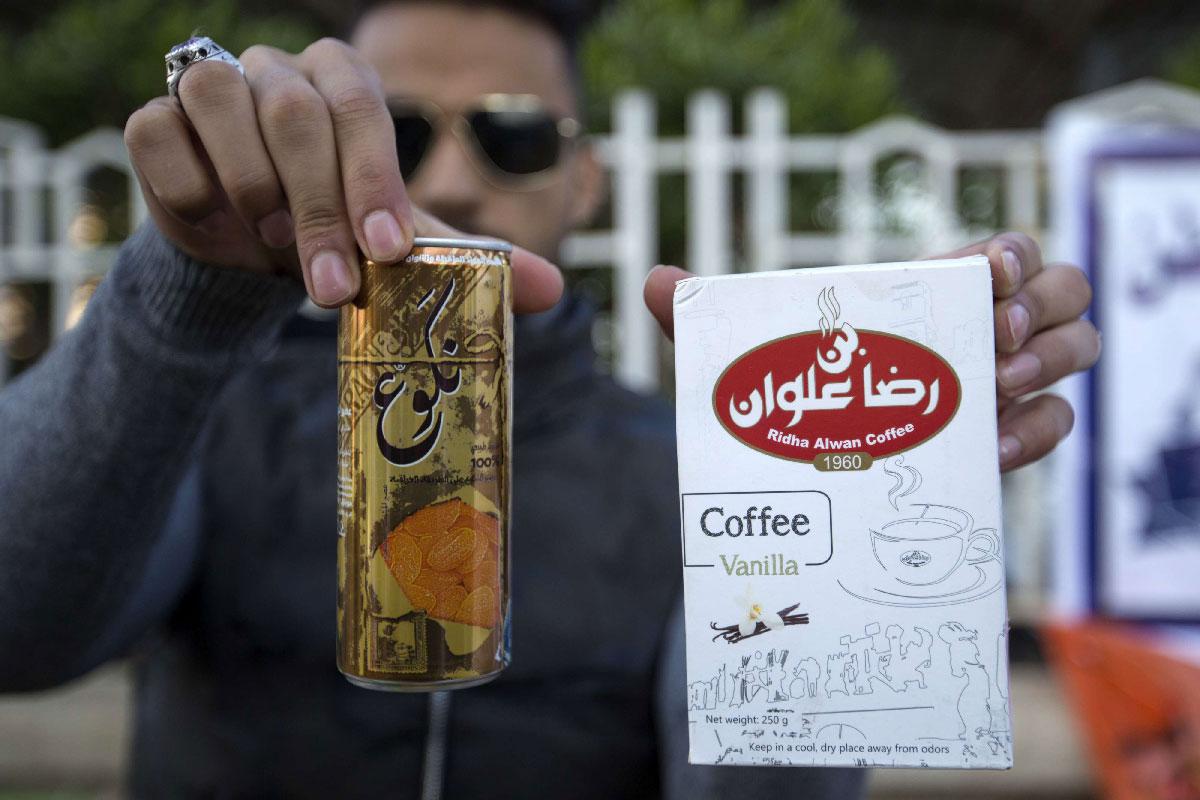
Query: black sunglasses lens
[[413, 133], [517, 142]]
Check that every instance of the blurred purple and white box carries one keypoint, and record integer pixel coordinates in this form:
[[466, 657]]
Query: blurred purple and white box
[[1128, 207]]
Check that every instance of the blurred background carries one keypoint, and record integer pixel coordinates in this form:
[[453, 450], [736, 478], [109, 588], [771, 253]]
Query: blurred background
[[739, 136]]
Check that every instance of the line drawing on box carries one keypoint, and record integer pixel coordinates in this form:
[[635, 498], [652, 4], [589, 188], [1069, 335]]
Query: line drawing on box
[[932, 556], [806, 715], [903, 662], [907, 479], [970, 344], [981, 708], [889, 657], [729, 751], [913, 312], [840, 669], [806, 676], [758, 677], [831, 310], [840, 732], [1001, 716]]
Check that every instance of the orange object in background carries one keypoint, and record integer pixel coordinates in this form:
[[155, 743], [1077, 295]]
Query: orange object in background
[[1139, 707]]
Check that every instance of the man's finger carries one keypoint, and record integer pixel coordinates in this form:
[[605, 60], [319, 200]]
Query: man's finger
[[1056, 295], [1014, 258], [1031, 428], [299, 136], [659, 292], [1048, 357], [375, 197], [537, 283], [161, 146], [220, 108], [222, 230]]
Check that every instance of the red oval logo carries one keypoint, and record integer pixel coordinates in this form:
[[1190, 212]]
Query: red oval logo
[[846, 391]]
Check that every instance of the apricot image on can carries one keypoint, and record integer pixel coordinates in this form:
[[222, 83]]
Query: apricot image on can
[[446, 559]]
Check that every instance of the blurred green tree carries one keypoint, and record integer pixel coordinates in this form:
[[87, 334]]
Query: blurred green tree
[[807, 49], [88, 63], [1182, 65]]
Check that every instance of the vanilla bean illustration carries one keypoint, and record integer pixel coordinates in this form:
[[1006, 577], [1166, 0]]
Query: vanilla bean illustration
[[731, 634]]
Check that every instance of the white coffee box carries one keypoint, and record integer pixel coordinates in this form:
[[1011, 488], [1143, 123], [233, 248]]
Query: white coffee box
[[840, 501]]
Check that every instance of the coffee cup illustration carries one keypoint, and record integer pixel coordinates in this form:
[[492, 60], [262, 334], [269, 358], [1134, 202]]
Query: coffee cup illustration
[[928, 549]]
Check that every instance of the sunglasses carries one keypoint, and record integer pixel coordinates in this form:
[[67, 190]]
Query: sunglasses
[[514, 141]]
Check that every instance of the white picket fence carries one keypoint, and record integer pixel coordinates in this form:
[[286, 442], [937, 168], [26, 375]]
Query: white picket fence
[[766, 156], [43, 200]]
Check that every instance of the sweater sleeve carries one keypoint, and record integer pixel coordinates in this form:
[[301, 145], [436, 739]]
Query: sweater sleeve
[[95, 439], [698, 782]]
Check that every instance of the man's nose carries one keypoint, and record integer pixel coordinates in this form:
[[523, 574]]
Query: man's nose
[[447, 184]]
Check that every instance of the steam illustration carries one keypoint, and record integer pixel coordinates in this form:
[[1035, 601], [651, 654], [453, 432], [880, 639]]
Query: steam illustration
[[830, 310], [907, 480]]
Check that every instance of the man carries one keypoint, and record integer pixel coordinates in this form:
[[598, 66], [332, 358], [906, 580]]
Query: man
[[168, 469]]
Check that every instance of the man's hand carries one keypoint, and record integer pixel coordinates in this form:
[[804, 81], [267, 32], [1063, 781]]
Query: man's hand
[[1040, 338], [290, 169]]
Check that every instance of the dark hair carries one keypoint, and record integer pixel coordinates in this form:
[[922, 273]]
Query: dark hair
[[566, 18]]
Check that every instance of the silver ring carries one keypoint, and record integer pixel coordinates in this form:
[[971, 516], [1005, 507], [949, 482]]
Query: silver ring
[[193, 51]]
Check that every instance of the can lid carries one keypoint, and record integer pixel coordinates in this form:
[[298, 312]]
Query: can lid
[[475, 244]]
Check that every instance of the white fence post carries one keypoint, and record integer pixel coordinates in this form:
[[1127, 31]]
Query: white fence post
[[856, 203], [1021, 188], [100, 148], [25, 145], [931, 211], [21, 146], [636, 238], [67, 182], [942, 161], [767, 198], [710, 241]]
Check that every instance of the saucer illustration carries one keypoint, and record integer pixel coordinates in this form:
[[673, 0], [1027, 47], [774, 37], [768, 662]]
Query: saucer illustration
[[935, 557], [970, 583]]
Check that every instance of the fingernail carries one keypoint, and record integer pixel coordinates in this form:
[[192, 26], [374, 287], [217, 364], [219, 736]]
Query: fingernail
[[1010, 448], [331, 281], [1021, 369], [277, 229], [1018, 322], [384, 237], [1012, 268]]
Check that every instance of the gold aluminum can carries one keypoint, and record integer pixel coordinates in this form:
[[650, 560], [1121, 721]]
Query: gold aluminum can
[[424, 431]]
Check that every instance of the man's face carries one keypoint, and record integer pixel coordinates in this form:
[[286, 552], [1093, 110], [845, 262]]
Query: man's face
[[453, 56]]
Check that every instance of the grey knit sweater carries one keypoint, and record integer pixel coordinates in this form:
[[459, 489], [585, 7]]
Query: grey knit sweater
[[94, 440]]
